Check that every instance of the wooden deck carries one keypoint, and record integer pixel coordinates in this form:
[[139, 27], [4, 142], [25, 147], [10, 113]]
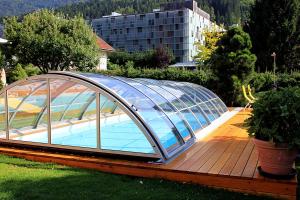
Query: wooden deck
[[225, 159]]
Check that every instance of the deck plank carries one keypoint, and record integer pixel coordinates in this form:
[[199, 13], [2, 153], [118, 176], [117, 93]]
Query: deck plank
[[243, 159], [251, 164]]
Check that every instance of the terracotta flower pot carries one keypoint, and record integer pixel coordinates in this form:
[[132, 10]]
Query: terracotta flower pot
[[273, 159]]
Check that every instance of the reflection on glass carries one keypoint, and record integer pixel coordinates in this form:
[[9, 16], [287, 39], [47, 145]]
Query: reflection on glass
[[73, 120], [25, 103], [2, 117], [119, 132], [156, 120]]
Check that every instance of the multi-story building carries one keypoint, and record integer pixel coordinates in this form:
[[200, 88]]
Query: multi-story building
[[177, 25]]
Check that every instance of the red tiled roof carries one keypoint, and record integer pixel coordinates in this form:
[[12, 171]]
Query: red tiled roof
[[103, 45]]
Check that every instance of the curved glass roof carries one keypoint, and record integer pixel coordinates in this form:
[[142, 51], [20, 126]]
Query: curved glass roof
[[139, 117]]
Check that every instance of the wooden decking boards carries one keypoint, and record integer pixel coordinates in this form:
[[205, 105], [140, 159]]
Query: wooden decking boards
[[226, 158]]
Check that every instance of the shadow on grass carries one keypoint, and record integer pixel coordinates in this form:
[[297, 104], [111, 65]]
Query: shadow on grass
[[30, 180]]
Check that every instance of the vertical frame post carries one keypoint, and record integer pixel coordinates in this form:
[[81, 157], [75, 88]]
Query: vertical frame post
[[49, 110], [98, 121], [6, 115]]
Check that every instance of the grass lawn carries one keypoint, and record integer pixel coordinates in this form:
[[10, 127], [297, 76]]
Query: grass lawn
[[22, 179]]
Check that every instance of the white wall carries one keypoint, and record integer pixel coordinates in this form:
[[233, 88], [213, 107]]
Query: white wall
[[102, 61]]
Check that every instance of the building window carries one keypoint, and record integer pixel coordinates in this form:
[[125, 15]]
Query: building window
[[156, 15], [176, 26], [180, 13], [142, 17], [127, 30], [181, 39], [170, 33], [148, 41], [161, 28], [140, 29], [135, 42], [160, 40], [181, 20], [177, 46]]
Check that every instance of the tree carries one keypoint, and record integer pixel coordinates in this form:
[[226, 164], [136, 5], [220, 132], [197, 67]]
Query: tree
[[163, 57], [232, 63], [52, 41], [212, 36], [273, 27]]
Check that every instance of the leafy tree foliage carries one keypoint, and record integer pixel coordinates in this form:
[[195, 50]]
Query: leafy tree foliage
[[232, 63], [157, 58], [52, 41], [163, 57], [274, 27], [212, 36]]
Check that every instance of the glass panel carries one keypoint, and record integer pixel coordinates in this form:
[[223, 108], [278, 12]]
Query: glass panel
[[26, 103], [151, 114], [170, 97], [181, 126], [224, 107], [191, 119], [218, 105], [164, 105], [79, 104], [2, 117], [205, 109], [157, 86], [200, 116], [119, 132], [70, 101], [213, 109]]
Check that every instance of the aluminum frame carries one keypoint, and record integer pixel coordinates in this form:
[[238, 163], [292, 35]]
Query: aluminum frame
[[122, 103]]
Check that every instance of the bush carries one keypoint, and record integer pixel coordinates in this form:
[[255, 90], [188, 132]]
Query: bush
[[283, 108], [155, 58], [265, 81], [31, 70], [201, 77], [18, 73]]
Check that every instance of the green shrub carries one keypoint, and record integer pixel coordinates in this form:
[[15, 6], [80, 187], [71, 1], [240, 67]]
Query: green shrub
[[201, 77], [18, 73], [276, 117], [32, 70], [265, 81]]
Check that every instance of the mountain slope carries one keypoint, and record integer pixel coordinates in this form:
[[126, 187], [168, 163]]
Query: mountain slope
[[19, 7], [222, 11]]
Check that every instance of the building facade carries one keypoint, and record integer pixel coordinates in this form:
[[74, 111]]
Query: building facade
[[177, 25]]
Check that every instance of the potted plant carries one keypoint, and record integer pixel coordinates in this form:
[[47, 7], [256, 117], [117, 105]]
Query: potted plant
[[275, 126]]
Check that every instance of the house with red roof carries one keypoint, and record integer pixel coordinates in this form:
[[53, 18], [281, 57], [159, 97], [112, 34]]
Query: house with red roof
[[104, 50]]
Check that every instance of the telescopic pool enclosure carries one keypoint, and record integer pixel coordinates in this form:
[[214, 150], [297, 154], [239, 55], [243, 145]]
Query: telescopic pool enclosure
[[106, 114]]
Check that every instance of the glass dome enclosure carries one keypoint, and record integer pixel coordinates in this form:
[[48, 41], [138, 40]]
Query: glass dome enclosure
[[106, 114]]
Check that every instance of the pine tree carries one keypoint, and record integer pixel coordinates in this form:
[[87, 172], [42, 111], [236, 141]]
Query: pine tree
[[232, 63], [274, 27]]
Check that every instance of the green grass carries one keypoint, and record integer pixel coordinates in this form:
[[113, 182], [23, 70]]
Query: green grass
[[22, 179]]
